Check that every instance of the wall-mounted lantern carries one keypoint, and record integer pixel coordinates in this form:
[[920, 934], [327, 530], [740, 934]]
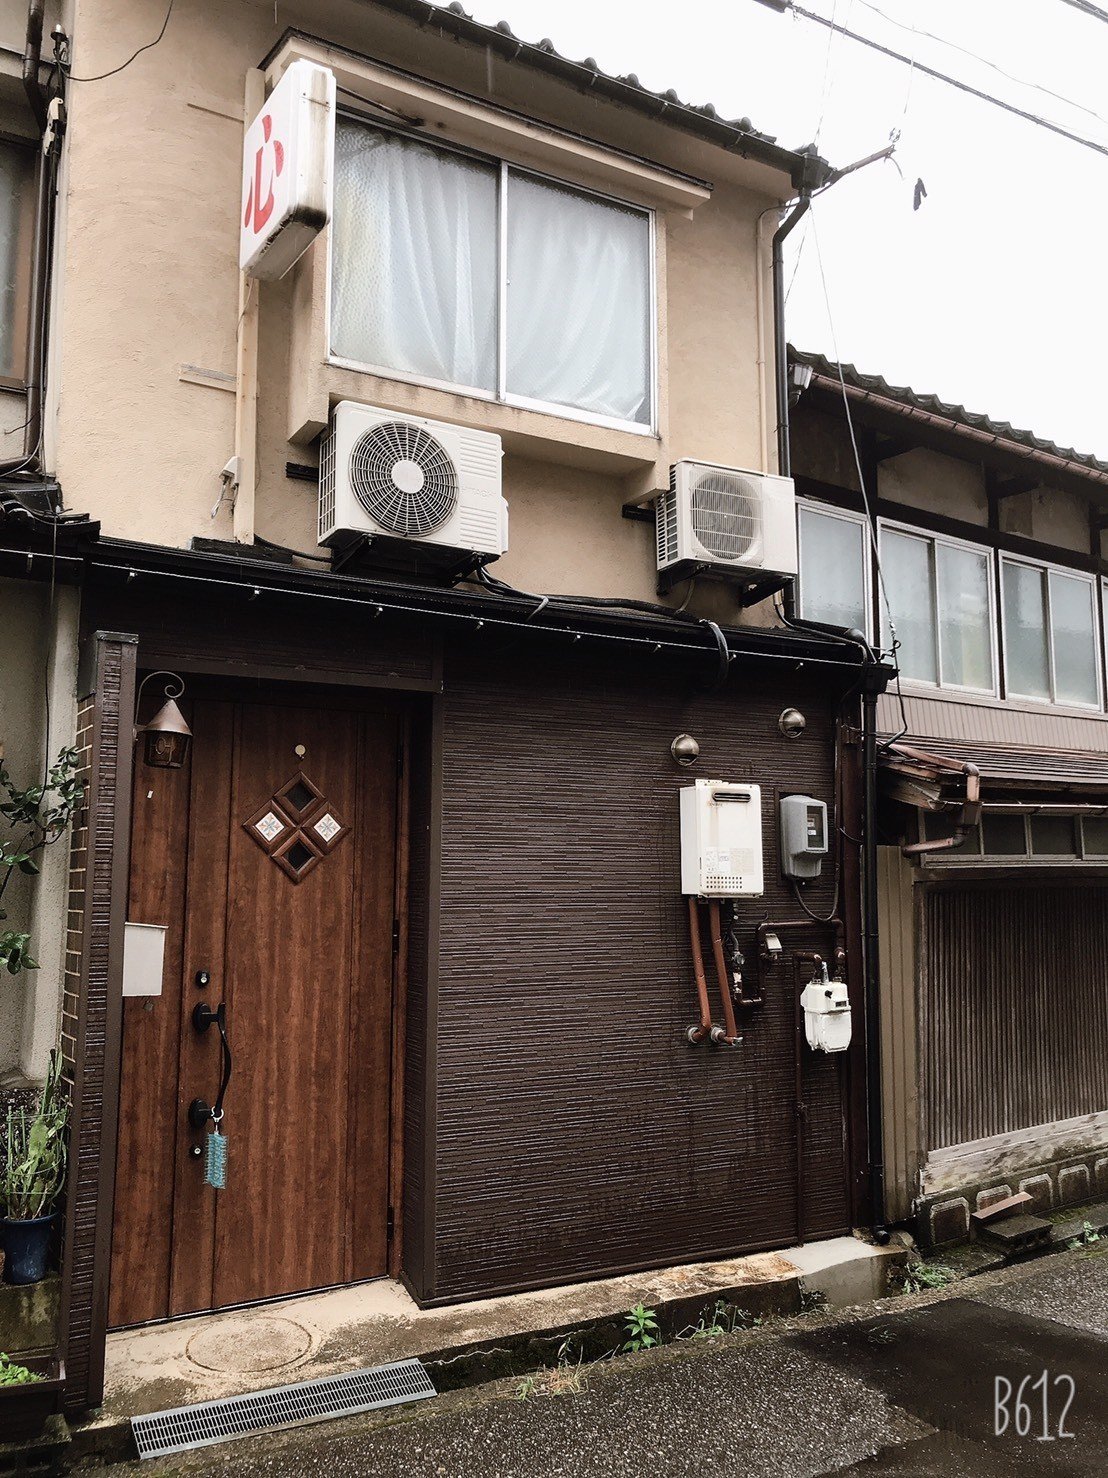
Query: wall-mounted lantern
[[167, 736]]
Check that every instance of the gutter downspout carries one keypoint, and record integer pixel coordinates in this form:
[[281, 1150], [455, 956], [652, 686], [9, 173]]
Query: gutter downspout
[[31, 460], [781, 358], [874, 1114], [780, 343]]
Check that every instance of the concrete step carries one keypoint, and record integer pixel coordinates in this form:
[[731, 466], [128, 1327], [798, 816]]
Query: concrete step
[[218, 1355], [1018, 1234]]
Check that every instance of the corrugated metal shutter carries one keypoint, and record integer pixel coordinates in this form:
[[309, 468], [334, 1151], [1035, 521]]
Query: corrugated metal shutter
[[1016, 1008]]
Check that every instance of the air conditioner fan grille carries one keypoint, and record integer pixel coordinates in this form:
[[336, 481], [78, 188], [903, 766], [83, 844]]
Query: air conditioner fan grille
[[726, 512], [404, 479]]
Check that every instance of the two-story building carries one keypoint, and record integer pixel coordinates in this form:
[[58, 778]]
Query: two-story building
[[417, 858], [979, 549]]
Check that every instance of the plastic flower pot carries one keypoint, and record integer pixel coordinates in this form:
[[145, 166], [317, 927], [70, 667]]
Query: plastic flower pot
[[26, 1245]]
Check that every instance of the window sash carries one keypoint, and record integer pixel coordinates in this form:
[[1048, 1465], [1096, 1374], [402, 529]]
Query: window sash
[[501, 392], [934, 544], [861, 523], [1048, 574], [17, 173]]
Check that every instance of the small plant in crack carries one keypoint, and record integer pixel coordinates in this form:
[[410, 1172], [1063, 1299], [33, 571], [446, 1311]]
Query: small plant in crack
[[1086, 1238], [925, 1275], [641, 1324], [568, 1377]]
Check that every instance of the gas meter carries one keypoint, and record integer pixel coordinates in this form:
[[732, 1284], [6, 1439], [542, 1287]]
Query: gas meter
[[826, 1006]]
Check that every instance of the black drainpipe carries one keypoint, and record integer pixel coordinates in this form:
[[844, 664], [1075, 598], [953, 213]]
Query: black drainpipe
[[780, 343], [31, 460], [874, 1116]]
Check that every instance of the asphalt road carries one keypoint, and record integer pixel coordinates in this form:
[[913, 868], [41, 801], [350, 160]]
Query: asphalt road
[[909, 1389]]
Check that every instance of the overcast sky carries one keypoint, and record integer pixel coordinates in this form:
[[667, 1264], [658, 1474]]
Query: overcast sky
[[995, 293]]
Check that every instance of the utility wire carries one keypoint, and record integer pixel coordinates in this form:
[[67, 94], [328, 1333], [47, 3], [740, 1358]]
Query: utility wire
[[983, 60], [1086, 9], [148, 46], [986, 97]]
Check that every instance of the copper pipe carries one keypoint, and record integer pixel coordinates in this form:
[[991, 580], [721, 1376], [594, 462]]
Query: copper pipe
[[698, 1033], [731, 1037]]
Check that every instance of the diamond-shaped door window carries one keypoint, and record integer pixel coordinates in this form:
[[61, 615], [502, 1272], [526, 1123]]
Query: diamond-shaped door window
[[299, 797], [297, 827]]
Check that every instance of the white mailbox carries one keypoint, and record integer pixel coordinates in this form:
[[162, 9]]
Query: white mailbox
[[826, 1005], [721, 840]]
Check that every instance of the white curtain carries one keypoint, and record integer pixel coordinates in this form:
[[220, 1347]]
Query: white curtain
[[15, 262], [414, 260], [578, 300]]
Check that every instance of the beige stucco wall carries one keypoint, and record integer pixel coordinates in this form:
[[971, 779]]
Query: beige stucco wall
[[40, 643], [151, 295]]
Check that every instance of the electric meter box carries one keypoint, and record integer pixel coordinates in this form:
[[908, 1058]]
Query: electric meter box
[[721, 840], [803, 836], [827, 1022]]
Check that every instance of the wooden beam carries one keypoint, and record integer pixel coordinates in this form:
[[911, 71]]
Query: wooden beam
[[886, 447]]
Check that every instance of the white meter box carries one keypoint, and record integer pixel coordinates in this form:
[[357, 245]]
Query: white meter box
[[721, 840]]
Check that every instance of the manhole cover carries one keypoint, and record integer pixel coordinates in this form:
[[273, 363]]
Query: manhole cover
[[253, 1342]]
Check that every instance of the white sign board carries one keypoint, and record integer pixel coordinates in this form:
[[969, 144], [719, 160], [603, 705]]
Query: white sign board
[[143, 959], [287, 165]]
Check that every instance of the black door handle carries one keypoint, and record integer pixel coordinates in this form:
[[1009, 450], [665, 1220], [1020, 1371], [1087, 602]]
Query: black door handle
[[204, 1016]]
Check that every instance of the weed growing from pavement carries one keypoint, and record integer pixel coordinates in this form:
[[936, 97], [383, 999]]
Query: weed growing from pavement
[[926, 1275], [1087, 1237], [642, 1329], [566, 1378]]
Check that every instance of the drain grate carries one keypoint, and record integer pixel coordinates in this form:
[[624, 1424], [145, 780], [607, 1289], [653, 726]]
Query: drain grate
[[187, 1427]]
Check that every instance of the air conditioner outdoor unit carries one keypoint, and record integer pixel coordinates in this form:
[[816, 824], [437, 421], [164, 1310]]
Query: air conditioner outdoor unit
[[408, 481], [723, 518]]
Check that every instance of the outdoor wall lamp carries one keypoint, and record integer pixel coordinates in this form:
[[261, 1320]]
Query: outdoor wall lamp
[[167, 735]]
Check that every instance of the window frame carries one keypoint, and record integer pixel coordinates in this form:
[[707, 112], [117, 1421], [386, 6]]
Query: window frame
[[848, 515], [934, 540], [18, 142], [1048, 568], [501, 396]]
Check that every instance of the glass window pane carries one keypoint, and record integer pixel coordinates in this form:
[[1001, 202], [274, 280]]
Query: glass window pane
[[940, 827], [1095, 831], [1003, 836], [16, 175], [1028, 671], [833, 553], [578, 300], [965, 628], [906, 563], [1073, 626], [414, 258], [1052, 836]]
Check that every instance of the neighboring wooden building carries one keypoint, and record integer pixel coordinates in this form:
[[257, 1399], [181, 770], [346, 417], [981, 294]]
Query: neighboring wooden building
[[994, 863], [424, 848]]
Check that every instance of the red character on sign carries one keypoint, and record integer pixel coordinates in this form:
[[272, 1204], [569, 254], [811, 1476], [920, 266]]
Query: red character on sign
[[255, 206]]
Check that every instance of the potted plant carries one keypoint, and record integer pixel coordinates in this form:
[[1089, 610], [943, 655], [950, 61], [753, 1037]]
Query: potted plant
[[29, 1393], [32, 1173]]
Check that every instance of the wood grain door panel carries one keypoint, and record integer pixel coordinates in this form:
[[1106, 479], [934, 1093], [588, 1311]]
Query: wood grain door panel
[[305, 967]]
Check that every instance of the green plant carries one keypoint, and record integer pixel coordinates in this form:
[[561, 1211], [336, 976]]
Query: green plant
[[1087, 1237], [927, 1275], [12, 1374], [36, 817], [642, 1328], [527, 1387], [32, 1164]]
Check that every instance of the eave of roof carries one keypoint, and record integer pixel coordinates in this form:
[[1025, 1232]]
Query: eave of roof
[[804, 167], [876, 391], [128, 564]]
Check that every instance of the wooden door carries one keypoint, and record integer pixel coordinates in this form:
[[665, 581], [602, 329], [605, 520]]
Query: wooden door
[[271, 859]]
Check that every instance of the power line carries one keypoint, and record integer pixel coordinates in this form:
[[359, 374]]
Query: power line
[[1087, 9], [984, 60], [985, 97]]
